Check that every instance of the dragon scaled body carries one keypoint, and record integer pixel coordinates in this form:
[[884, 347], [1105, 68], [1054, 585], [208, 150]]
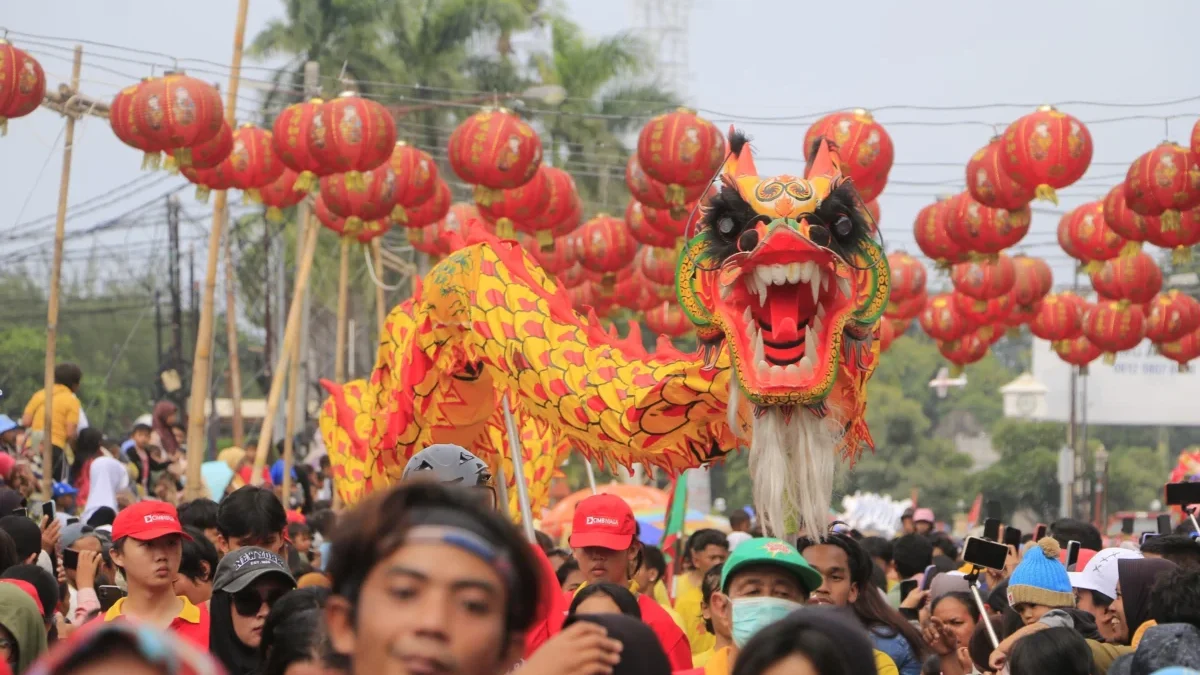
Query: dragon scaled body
[[785, 283]]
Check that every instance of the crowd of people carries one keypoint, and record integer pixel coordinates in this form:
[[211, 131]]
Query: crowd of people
[[431, 576]]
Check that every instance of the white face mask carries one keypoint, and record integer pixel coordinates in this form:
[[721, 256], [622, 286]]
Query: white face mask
[[751, 615]]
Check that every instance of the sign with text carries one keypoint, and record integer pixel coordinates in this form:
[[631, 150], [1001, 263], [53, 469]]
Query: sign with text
[[1141, 388]]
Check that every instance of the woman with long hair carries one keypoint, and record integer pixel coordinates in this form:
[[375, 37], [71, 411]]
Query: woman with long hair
[[249, 583], [293, 633], [820, 641], [605, 598], [1061, 651], [846, 569], [88, 446]]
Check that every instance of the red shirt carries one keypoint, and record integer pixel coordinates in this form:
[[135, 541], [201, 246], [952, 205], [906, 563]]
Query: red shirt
[[191, 624], [551, 603]]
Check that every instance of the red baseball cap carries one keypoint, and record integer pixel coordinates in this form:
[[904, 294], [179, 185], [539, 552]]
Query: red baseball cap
[[147, 520], [603, 520]]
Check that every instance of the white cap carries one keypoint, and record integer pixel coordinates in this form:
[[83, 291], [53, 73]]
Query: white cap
[[144, 421], [1100, 573], [736, 538]]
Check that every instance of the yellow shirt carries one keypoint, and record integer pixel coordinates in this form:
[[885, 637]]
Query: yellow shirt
[[717, 663], [66, 413], [688, 602], [884, 664], [660, 594]]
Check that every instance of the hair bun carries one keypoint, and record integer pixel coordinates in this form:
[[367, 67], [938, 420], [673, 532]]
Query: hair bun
[[1050, 547]]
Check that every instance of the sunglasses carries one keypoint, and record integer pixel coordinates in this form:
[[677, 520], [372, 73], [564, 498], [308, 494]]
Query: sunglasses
[[247, 602]]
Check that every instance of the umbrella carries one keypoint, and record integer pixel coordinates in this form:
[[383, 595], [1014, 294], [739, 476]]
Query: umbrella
[[652, 522], [557, 521]]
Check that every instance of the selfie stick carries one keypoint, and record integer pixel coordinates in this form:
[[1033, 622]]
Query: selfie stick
[[973, 583], [514, 447], [1192, 515], [591, 474]]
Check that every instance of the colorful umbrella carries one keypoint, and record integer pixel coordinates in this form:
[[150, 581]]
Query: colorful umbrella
[[652, 522]]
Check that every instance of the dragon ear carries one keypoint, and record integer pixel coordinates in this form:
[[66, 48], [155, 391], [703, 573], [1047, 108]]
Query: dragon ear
[[825, 162], [740, 161]]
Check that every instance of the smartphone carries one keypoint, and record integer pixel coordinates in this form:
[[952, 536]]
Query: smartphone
[[991, 529], [1072, 553], [1145, 536], [72, 520], [1164, 524], [48, 509], [993, 510], [984, 553], [108, 596], [70, 558], [927, 576], [907, 586], [1039, 532], [1127, 526], [20, 512], [1182, 494], [1012, 537]]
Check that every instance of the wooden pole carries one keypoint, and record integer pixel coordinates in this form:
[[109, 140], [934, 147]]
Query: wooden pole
[[231, 336], [339, 356], [289, 425], [202, 362], [380, 299], [291, 334], [60, 225]]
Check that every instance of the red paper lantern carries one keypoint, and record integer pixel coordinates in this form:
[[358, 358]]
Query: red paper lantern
[[362, 231], [1032, 282], [631, 291], [1179, 237], [212, 152], [605, 244], [1138, 277], [994, 311], [1164, 182], [290, 139], [374, 201], [989, 183], [863, 145], [931, 230], [1078, 351], [496, 149], [220, 177], [1059, 317], [668, 320], [350, 135], [178, 112], [252, 163], [1172, 315], [1127, 223], [635, 218], [1085, 235], [885, 332], [458, 219], [1183, 350], [680, 148], [562, 212], [511, 210], [908, 276], [1046, 150], [22, 84], [1114, 327], [665, 220], [984, 279], [555, 261], [280, 195], [654, 194], [657, 264], [576, 275], [941, 320], [1104, 281], [416, 177], [981, 229], [425, 240], [1195, 145], [873, 210], [906, 309], [432, 210], [127, 126], [968, 349], [1021, 315]]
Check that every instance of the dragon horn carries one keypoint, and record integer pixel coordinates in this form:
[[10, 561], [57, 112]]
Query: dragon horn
[[740, 161], [826, 163]]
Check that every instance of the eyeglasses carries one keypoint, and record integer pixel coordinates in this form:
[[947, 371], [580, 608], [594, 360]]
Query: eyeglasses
[[248, 602]]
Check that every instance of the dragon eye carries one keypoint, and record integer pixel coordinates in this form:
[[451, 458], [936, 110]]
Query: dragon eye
[[819, 235], [725, 225], [842, 227], [748, 241]]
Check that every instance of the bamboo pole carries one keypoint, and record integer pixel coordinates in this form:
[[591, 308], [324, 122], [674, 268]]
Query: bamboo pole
[[289, 424], [339, 348], [380, 299], [291, 334], [202, 362], [60, 225], [231, 336]]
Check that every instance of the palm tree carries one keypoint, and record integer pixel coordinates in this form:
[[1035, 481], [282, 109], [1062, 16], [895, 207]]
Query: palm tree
[[608, 97]]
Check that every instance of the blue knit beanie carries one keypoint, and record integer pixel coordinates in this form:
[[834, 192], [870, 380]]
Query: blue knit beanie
[[1040, 579]]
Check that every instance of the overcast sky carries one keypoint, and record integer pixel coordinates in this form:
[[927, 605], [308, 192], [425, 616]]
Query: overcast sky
[[748, 59]]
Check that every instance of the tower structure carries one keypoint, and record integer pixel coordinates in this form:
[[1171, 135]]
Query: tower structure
[[663, 27]]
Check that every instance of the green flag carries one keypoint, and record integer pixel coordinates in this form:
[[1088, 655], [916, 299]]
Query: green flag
[[676, 515]]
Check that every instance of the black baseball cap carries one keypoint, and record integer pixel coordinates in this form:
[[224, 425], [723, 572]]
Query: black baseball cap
[[240, 568]]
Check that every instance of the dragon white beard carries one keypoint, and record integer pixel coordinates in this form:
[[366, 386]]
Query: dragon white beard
[[792, 463]]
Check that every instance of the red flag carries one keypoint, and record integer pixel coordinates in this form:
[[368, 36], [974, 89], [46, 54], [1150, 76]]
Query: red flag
[[976, 509]]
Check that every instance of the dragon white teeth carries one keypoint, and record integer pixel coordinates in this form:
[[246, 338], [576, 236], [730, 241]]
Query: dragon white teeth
[[792, 369], [816, 324], [815, 285], [824, 280], [810, 347], [844, 286], [795, 273], [726, 290], [765, 275], [746, 317], [764, 370], [804, 271], [759, 348], [820, 311], [779, 274], [805, 366], [762, 295]]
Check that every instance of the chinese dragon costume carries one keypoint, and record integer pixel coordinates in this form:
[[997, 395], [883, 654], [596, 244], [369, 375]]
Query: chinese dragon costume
[[785, 281]]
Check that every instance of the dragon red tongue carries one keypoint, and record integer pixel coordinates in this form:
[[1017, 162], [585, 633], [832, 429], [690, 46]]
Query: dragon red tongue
[[783, 305]]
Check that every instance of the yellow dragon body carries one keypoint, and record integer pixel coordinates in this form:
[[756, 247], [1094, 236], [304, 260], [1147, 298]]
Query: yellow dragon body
[[785, 283]]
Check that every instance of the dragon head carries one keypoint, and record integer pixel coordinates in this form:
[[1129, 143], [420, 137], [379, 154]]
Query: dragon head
[[786, 270]]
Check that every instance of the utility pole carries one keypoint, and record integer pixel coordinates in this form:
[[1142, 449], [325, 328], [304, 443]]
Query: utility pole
[[158, 346], [193, 296], [174, 278], [269, 342]]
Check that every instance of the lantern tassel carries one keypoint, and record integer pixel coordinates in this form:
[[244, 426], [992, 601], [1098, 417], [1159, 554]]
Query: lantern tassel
[[956, 370], [353, 226], [545, 240], [399, 215], [1170, 220], [274, 215], [607, 282], [1046, 193], [1131, 248], [504, 229], [171, 164], [1109, 358], [3, 125], [1182, 255], [151, 161], [1183, 368], [1013, 333], [202, 192], [1083, 370], [1093, 266], [355, 181], [182, 156], [486, 196], [305, 182]]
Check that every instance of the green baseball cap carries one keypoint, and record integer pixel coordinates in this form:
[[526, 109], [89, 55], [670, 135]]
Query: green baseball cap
[[770, 551]]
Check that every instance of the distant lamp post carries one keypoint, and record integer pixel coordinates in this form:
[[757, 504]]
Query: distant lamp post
[[1101, 467]]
